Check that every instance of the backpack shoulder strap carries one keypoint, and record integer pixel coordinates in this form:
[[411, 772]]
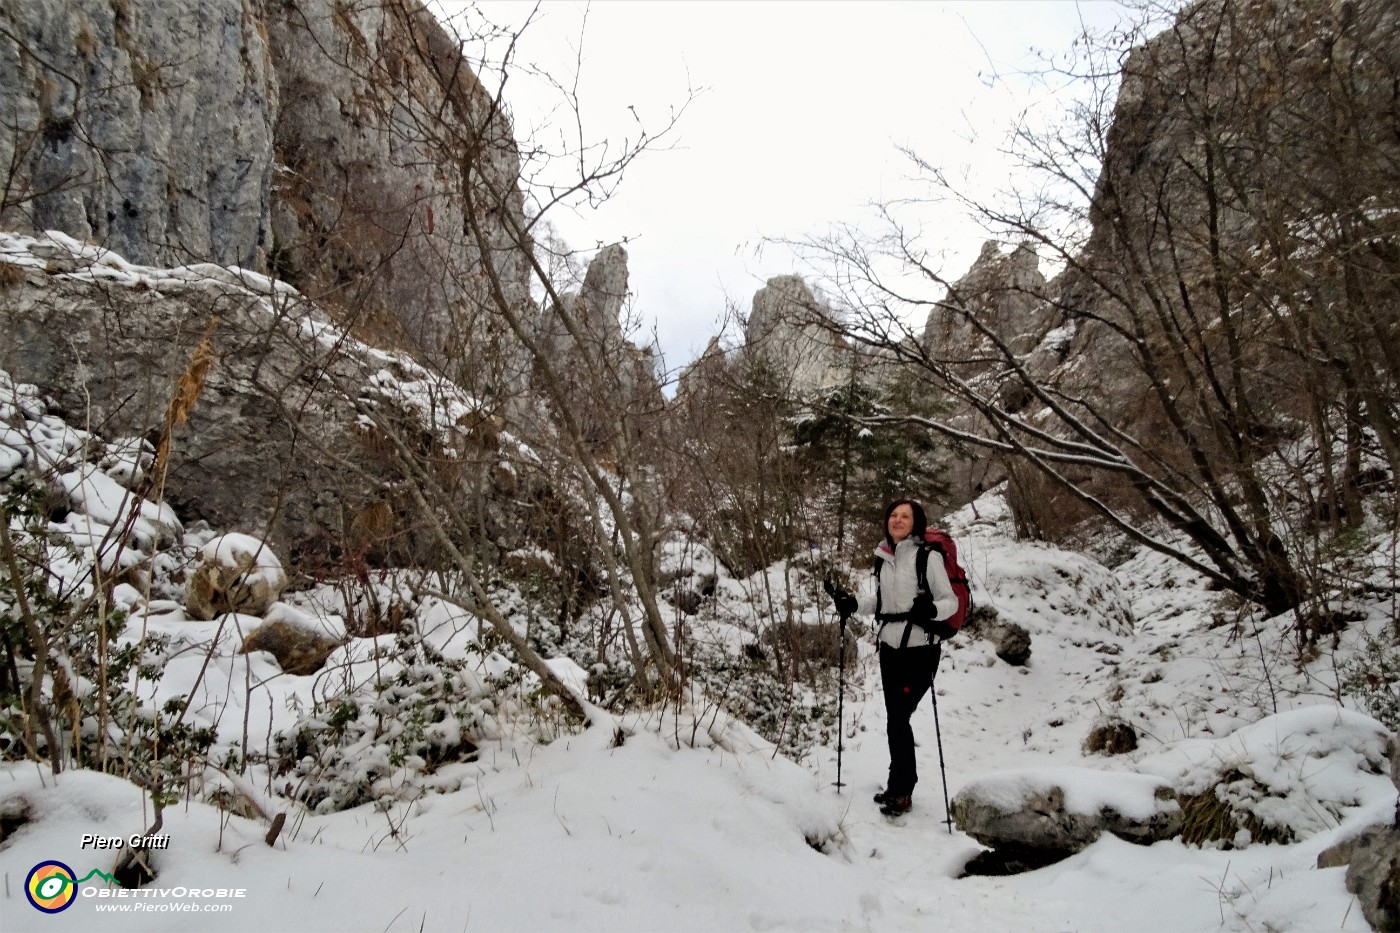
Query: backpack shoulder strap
[[921, 566], [879, 562]]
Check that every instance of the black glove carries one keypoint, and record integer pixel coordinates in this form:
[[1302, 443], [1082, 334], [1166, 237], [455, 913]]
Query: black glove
[[941, 630], [925, 609], [845, 603]]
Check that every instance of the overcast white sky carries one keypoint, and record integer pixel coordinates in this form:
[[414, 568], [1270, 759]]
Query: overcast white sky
[[800, 110]]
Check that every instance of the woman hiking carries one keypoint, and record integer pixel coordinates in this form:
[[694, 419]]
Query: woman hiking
[[909, 634]]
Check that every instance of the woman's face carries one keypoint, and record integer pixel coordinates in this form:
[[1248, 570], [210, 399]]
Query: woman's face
[[901, 522]]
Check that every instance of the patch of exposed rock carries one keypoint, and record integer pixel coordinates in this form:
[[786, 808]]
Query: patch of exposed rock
[[1114, 737], [1005, 292], [589, 347], [1011, 642], [786, 329]]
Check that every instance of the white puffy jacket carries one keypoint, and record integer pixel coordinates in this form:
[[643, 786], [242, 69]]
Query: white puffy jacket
[[899, 583]]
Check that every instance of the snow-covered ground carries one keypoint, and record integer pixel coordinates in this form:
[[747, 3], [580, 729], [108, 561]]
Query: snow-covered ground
[[698, 825], [686, 819]]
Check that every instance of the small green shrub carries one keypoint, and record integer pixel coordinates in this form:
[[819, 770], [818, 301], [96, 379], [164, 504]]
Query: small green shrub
[[1372, 679]]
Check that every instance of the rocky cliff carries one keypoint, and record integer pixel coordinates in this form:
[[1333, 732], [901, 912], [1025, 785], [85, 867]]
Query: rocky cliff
[[323, 199], [340, 146], [1237, 290]]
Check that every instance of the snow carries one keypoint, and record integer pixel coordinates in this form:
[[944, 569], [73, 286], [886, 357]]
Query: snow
[[1043, 586], [694, 823], [1304, 769], [681, 817], [331, 626], [106, 503], [1060, 337]]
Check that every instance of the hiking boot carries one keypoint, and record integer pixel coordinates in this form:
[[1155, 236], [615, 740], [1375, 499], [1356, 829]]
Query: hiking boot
[[896, 806], [883, 797]]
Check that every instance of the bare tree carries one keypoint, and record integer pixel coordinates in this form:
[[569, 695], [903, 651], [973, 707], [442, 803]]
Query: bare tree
[[1225, 293], [513, 308]]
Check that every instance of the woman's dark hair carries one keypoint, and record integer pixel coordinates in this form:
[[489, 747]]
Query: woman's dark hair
[[920, 520]]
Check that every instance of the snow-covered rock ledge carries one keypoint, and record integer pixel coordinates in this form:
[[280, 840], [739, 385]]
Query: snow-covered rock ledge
[[1286, 778], [283, 436]]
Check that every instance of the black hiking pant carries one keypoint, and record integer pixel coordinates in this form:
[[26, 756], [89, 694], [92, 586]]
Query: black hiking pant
[[906, 674]]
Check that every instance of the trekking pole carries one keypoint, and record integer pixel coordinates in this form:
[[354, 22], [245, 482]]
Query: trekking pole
[[938, 732], [841, 706]]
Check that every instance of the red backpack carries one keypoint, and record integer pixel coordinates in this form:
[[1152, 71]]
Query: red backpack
[[942, 542]]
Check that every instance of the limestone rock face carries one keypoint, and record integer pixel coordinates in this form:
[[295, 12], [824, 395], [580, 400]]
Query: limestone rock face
[[596, 309], [604, 291], [1006, 292], [627, 372], [144, 125], [377, 108], [1373, 875], [1300, 74], [276, 442], [111, 356], [785, 330], [316, 139]]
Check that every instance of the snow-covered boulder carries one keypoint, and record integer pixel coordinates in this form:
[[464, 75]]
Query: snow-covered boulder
[[1050, 813], [236, 573], [1111, 736], [294, 639], [1283, 778]]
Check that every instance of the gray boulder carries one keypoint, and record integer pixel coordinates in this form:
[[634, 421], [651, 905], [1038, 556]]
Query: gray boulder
[[687, 601], [1372, 860], [1373, 875], [1012, 642], [298, 651], [1042, 816]]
